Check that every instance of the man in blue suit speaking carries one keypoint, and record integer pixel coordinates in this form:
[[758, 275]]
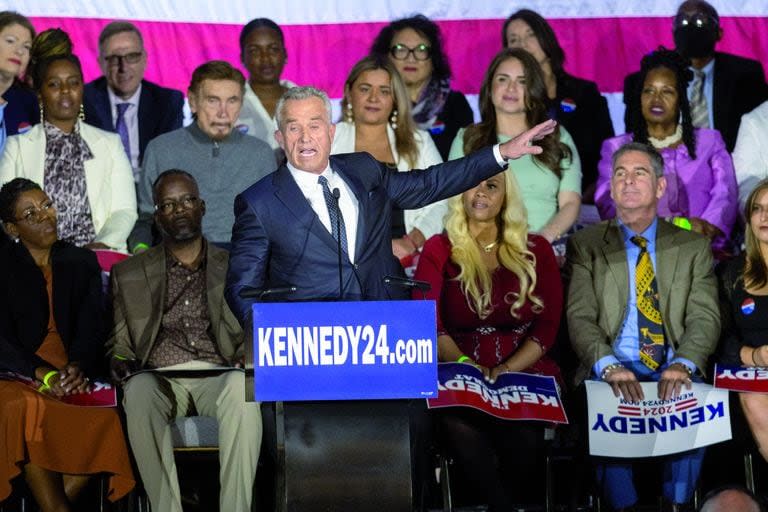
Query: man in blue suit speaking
[[290, 225]]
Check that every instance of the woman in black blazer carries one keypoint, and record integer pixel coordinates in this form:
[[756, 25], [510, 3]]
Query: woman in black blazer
[[51, 336]]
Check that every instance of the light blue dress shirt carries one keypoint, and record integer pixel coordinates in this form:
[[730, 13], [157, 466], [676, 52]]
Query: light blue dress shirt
[[626, 345]]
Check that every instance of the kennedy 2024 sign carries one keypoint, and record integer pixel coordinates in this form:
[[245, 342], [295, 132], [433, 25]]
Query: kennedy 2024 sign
[[695, 418], [344, 350]]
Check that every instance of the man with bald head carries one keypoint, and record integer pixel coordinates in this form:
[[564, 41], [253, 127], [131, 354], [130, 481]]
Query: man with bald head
[[724, 86], [730, 499]]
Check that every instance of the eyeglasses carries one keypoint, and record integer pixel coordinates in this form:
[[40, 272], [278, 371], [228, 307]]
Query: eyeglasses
[[128, 58], [420, 52], [696, 19], [169, 205], [35, 215]]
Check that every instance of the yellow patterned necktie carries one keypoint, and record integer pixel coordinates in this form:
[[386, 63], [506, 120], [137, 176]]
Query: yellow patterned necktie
[[650, 328]]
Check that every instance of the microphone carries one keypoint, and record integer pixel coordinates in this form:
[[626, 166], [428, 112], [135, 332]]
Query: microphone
[[336, 195], [404, 282], [261, 293]]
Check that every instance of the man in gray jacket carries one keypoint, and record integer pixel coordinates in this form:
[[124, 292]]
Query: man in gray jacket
[[223, 161]]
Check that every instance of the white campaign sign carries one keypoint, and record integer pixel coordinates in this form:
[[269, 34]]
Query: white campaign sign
[[618, 428]]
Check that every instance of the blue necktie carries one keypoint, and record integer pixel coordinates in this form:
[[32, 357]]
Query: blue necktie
[[337, 220], [122, 128]]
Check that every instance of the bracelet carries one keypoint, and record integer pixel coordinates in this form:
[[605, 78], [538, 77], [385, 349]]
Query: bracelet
[[119, 358], [140, 245], [48, 377], [464, 359], [610, 368], [682, 223], [684, 367]]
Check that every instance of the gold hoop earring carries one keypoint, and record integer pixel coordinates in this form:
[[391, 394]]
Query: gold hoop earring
[[393, 120], [42, 113], [81, 115]]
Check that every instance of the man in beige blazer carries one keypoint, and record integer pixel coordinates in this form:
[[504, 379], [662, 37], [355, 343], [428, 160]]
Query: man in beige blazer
[[170, 316], [603, 319]]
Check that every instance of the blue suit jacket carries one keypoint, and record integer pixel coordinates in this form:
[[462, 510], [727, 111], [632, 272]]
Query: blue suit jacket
[[278, 240], [160, 110]]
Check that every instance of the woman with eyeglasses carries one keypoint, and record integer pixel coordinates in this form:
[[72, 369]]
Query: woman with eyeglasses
[[376, 119], [575, 103], [513, 99], [83, 169], [18, 107], [51, 341], [414, 46]]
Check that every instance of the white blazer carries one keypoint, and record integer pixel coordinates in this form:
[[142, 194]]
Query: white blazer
[[108, 177], [428, 220]]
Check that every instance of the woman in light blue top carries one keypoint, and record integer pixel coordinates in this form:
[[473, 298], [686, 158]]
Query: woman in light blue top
[[513, 98]]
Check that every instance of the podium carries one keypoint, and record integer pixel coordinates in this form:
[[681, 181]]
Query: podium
[[337, 450], [344, 455]]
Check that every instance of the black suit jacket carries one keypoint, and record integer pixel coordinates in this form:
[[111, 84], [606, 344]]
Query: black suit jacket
[[78, 306], [739, 86], [583, 111], [278, 240], [161, 110]]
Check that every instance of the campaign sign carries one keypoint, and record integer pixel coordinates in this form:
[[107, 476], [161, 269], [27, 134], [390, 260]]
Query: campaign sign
[[344, 350], [514, 396], [619, 428], [740, 378]]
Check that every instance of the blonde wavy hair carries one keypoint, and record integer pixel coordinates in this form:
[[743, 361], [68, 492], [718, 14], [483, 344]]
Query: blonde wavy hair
[[513, 253]]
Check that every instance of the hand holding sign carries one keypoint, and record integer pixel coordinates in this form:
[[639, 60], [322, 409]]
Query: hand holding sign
[[625, 384], [672, 381]]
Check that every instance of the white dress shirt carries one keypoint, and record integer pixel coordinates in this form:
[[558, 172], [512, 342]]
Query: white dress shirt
[[313, 191], [131, 121]]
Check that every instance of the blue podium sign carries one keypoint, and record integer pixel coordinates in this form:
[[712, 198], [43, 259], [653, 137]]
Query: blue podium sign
[[344, 350]]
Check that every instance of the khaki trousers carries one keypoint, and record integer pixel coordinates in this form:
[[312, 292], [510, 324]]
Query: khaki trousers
[[152, 401]]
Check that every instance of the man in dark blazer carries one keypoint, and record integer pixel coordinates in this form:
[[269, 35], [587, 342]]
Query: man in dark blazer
[[738, 84], [151, 110], [283, 237], [604, 314]]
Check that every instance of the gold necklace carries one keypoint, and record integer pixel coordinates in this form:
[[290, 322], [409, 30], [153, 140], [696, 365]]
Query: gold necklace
[[488, 248]]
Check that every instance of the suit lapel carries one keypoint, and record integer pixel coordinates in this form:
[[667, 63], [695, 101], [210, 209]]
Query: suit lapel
[[215, 276], [615, 256], [289, 193], [667, 251], [102, 107], [154, 273], [147, 118], [354, 183]]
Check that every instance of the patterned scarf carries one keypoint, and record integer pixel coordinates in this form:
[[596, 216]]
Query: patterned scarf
[[64, 182], [430, 103]]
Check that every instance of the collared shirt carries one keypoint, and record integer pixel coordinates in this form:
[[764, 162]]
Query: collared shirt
[[131, 121], [185, 328], [313, 191], [709, 78], [626, 345]]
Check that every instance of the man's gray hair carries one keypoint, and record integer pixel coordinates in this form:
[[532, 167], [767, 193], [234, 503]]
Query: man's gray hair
[[118, 27], [657, 162], [300, 93]]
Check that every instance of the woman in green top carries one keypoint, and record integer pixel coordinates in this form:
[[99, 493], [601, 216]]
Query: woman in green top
[[513, 98]]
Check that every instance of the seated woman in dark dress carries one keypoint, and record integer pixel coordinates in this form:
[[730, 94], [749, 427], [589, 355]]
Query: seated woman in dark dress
[[744, 303], [51, 312], [415, 48], [499, 299]]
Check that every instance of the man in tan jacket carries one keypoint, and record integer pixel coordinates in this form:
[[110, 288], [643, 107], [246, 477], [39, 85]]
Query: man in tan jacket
[[171, 317], [664, 333]]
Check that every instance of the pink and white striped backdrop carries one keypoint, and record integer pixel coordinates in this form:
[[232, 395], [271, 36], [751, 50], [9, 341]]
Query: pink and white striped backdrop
[[603, 41]]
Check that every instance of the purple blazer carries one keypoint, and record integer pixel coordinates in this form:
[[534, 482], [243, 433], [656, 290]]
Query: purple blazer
[[704, 188]]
